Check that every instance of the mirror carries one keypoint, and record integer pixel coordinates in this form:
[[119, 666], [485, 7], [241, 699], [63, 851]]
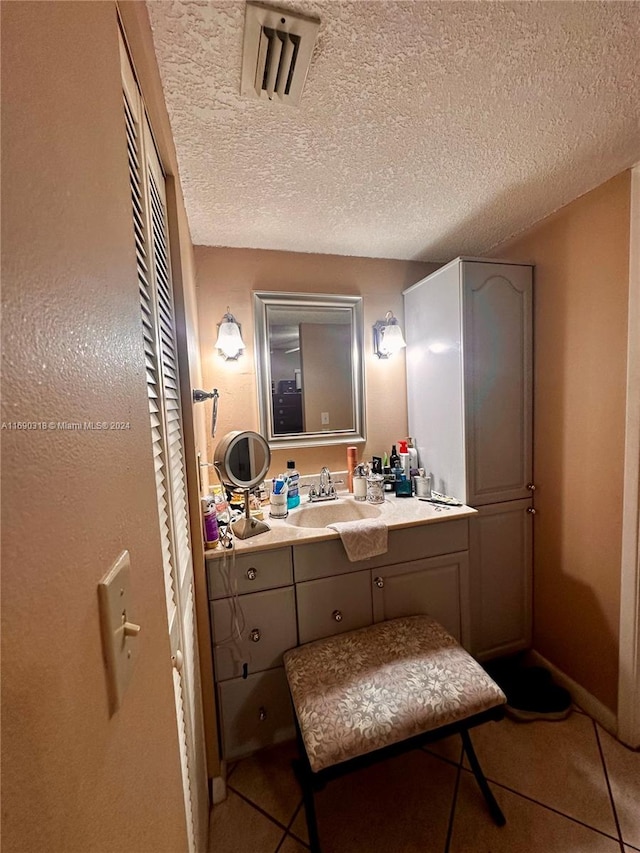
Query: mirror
[[310, 368], [242, 459]]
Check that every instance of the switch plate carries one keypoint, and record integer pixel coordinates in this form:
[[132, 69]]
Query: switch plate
[[324, 418], [119, 634]]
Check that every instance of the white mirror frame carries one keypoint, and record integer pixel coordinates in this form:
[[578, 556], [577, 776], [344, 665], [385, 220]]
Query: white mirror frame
[[262, 301]]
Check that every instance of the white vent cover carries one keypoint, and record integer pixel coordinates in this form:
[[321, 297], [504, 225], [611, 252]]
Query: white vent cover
[[277, 52]]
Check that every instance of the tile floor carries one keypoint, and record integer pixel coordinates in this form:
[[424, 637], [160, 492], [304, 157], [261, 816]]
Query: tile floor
[[564, 787]]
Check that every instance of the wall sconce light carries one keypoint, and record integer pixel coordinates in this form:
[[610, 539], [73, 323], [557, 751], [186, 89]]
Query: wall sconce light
[[387, 336], [229, 343]]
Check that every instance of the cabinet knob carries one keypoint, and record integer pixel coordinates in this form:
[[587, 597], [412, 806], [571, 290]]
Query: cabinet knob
[[337, 615], [254, 636], [531, 487], [252, 574], [531, 510], [379, 582], [262, 714]]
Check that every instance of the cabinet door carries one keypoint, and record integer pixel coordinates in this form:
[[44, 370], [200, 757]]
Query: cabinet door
[[333, 605], [497, 343], [435, 586], [266, 625], [500, 578]]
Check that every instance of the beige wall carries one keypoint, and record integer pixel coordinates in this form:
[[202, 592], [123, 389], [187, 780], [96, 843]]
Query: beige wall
[[228, 277], [73, 777], [581, 255]]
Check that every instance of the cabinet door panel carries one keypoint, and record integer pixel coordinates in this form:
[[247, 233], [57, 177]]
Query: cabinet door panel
[[498, 380], [500, 578], [267, 625], [255, 712], [333, 605], [430, 586]]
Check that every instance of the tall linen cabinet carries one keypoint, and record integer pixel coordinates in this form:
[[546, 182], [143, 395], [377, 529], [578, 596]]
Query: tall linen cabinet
[[469, 389]]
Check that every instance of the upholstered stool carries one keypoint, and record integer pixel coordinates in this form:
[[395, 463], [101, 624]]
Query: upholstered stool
[[374, 692]]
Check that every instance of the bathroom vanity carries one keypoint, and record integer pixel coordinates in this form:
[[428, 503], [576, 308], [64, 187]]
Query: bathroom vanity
[[295, 584]]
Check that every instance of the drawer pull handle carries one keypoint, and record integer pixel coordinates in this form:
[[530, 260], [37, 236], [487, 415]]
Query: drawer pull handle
[[379, 582], [337, 615], [531, 487], [254, 636], [531, 510], [262, 714], [252, 574]]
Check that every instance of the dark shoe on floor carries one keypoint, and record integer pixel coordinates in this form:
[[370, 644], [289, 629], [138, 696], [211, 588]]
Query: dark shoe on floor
[[530, 691]]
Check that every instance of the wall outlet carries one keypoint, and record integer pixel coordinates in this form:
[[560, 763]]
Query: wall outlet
[[324, 418]]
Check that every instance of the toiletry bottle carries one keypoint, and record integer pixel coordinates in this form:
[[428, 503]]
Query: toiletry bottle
[[210, 523], [394, 459], [405, 459], [360, 481], [293, 492], [352, 461], [413, 453]]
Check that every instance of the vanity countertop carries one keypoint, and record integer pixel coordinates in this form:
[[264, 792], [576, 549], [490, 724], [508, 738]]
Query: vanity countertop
[[396, 512]]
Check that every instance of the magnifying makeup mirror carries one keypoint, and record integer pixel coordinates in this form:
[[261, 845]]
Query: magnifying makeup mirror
[[242, 459]]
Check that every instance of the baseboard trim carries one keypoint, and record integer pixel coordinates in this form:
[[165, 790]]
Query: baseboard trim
[[219, 785], [582, 698]]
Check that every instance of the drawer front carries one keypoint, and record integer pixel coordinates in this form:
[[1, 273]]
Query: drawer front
[[254, 712], [322, 559], [267, 621], [252, 572], [333, 605]]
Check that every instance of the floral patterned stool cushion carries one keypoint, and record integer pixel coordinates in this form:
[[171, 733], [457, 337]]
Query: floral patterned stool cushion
[[363, 690]]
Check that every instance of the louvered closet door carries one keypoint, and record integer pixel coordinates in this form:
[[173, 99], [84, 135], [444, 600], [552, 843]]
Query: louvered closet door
[[159, 335]]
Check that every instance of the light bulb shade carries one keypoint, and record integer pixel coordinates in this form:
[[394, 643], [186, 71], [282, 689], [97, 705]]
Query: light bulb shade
[[387, 337], [392, 339], [229, 341]]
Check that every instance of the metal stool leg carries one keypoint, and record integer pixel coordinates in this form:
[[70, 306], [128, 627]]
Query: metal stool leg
[[304, 774], [494, 808]]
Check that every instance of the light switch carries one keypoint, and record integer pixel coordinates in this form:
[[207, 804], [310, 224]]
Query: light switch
[[119, 630]]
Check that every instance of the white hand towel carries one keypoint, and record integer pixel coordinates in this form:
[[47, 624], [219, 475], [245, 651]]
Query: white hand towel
[[362, 539]]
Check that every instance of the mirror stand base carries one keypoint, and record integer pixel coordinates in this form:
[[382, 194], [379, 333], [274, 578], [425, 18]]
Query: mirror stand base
[[247, 527]]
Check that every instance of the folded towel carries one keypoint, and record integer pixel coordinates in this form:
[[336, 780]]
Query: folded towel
[[362, 539]]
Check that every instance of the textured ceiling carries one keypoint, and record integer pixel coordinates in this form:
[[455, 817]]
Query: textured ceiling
[[426, 129]]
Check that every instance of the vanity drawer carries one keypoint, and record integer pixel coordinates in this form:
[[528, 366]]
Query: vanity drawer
[[254, 712], [252, 572], [321, 559], [268, 623], [333, 605]]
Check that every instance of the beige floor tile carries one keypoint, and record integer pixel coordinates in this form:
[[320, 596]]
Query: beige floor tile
[[449, 748], [236, 826], [267, 779], [299, 825], [530, 828], [623, 769], [557, 764], [290, 845], [397, 806]]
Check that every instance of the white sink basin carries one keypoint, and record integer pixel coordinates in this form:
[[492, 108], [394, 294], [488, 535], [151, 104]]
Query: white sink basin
[[321, 514]]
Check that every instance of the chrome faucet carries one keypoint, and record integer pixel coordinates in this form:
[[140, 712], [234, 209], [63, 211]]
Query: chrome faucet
[[325, 490]]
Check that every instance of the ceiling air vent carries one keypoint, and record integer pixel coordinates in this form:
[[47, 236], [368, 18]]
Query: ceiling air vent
[[277, 52]]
